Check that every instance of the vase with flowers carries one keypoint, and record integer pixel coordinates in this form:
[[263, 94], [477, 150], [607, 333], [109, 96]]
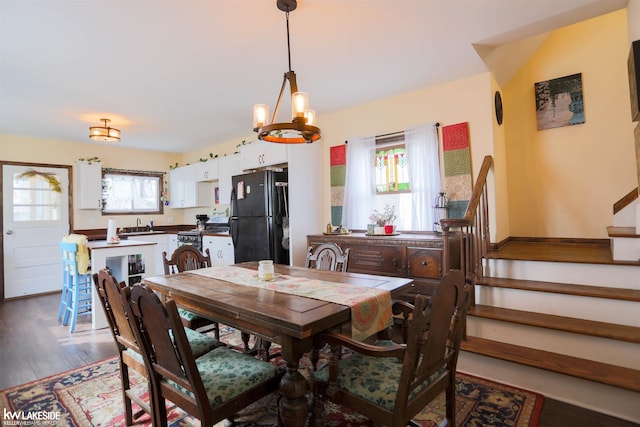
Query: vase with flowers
[[383, 220]]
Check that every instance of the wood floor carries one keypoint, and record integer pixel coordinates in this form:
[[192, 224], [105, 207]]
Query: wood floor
[[33, 345]]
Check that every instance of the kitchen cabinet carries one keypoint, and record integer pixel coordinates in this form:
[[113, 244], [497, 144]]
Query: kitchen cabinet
[[172, 244], [228, 166], [186, 191], [88, 185], [207, 171], [417, 256], [220, 249], [260, 154]]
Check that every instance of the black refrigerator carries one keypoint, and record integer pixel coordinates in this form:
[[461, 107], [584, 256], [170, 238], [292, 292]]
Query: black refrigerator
[[258, 217]]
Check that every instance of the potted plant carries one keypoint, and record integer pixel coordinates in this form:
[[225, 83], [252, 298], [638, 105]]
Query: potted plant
[[383, 221]]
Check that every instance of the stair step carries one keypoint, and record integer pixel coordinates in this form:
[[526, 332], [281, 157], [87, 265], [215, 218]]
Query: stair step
[[580, 251], [561, 323], [603, 373], [562, 288], [622, 232]]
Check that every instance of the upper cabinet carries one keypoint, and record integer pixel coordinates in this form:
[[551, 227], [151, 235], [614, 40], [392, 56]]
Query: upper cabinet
[[260, 154], [187, 191], [228, 166], [207, 171], [88, 185]]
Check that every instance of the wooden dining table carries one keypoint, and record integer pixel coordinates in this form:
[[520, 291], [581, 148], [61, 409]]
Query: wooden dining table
[[283, 318]]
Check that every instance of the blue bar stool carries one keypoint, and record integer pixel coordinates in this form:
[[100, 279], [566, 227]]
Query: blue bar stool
[[76, 298]]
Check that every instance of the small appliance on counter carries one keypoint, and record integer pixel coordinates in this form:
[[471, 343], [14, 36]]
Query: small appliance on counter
[[201, 221]]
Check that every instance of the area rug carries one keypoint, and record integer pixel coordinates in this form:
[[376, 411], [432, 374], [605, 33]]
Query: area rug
[[91, 396]]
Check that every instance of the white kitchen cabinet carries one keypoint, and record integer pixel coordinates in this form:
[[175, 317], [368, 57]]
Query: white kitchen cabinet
[[88, 185], [220, 249], [260, 154], [172, 244], [207, 171], [186, 191], [228, 166]]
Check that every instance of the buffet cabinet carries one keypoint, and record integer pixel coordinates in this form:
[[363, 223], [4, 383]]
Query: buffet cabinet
[[416, 256]]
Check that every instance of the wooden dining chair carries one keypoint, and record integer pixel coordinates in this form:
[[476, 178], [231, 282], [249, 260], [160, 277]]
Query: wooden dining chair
[[390, 383], [327, 256], [186, 258], [213, 387], [109, 292]]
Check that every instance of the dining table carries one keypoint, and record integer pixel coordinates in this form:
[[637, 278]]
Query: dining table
[[285, 310]]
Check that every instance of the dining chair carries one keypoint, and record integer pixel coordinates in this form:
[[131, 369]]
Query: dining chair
[[213, 387], [109, 292], [186, 258], [76, 288], [327, 256], [390, 383]]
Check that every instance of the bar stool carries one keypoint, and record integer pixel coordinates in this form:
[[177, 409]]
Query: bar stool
[[76, 288]]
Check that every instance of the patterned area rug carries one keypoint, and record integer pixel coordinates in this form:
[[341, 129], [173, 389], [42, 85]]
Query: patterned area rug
[[91, 396]]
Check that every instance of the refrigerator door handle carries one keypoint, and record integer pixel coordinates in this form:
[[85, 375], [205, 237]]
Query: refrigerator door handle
[[233, 219]]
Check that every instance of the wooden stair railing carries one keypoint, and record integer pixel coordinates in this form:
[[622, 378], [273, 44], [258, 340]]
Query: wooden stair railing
[[473, 230]]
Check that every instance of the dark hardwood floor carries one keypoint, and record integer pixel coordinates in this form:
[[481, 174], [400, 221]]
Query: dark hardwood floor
[[33, 345]]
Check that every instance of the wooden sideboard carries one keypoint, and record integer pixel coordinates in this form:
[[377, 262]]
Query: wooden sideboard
[[416, 256]]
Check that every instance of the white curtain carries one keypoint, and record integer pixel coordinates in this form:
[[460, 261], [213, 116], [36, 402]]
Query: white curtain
[[359, 186], [421, 143]]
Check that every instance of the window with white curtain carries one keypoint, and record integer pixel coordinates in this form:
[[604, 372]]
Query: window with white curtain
[[401, 170]]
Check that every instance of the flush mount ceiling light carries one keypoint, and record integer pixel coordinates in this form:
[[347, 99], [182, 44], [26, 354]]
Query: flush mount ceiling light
[[104, 133], [302, 127]]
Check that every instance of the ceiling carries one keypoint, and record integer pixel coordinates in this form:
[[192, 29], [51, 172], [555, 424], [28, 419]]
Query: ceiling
[[181, 75]]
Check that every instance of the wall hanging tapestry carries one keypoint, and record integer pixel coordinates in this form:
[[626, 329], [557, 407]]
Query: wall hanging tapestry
[[457, 168], [559, 102], [338, 173]]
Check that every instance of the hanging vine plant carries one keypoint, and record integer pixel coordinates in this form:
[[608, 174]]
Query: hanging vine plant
[[50, 177]]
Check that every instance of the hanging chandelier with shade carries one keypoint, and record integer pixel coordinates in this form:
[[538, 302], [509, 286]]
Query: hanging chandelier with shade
[[302, 127]]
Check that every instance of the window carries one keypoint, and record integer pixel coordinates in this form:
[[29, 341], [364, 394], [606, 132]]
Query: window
[[131, 192], [34, 199], [393, 186], [392, 170]]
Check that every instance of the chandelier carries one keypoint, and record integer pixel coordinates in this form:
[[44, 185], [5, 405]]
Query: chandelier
[[104, 133], [302, 126]]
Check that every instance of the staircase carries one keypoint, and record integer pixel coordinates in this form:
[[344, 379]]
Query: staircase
[[561, 318], [557, 316]]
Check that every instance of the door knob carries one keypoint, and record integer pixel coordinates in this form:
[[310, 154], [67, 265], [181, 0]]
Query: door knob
[[9, 231]]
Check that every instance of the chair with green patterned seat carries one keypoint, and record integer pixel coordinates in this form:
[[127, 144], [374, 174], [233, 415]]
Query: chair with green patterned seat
[[390, 383], [213, 387], [109, 292], [186, 258]]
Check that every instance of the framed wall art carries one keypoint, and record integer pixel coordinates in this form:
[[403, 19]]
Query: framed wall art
[[559, 102]]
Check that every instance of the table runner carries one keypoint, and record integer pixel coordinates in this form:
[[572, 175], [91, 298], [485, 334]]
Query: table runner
[[370, 307]]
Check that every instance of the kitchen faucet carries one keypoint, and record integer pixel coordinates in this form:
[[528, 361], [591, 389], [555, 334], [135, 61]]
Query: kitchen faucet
[[138, 222]]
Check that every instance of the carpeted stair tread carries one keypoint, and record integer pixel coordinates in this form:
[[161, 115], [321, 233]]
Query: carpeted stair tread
[[562, 288], [561, 323], [603, 373]]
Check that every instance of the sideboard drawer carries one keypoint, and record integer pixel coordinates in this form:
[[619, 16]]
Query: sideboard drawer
[[388, 260], [424, 262]]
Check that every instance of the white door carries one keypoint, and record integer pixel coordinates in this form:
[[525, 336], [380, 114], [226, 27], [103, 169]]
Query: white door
[[35, 217]]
